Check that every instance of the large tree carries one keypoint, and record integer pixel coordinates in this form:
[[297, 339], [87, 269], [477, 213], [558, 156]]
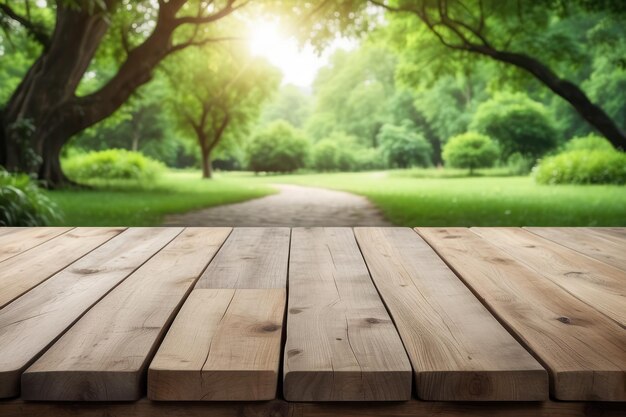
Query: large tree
[[46, 109], [524, 34], [218, 93]]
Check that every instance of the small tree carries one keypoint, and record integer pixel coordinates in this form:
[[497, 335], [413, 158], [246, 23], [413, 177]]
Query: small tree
[[470, 150], [517, 123], [404, 148], [278, 148], [217, 94]]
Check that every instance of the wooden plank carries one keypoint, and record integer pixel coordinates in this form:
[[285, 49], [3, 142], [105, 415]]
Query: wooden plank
[[21, 240], [341, 343], [9, 230], [34, 321], [28, 269], [224, 345], [582, 349], [616, 234], [601, 286], [589, 244], [280, 408], [252, 257], [458, 350], [105, 355]]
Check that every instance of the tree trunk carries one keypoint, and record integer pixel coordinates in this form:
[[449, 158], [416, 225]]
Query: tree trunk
[[44, 112], [567, 90], [207, 169]]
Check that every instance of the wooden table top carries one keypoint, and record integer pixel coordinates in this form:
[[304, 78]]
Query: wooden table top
[[312, 321]]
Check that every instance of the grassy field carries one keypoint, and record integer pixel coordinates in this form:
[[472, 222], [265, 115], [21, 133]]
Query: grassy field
[[409, 198], [128, 204]]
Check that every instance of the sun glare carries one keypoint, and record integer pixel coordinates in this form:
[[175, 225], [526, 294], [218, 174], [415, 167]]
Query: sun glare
[[299, 65]]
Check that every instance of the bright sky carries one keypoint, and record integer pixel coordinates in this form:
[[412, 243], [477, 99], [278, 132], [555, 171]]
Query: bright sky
[[299, 65]]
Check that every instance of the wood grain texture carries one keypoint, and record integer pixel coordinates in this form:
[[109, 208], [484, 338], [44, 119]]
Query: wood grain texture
[[617, 234], [35, 320], [252, 257], [23, 239], [583, 349], [458, 350], [341, 343], [279, 408], [601, 286], [28, 269], [224, 345], [590, 244], [105, 355]]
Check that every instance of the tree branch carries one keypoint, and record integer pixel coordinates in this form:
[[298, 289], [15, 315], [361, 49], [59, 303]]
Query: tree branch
[[35, 30]]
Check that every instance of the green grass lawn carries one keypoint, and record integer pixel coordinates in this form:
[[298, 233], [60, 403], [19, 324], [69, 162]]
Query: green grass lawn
[[410, 198], [127, 204]]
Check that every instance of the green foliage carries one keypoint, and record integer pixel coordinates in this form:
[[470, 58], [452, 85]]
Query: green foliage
[[22, 203], [518, 164], [590, 143], [470, 150], [278, 148], [583, 166], [291, 104], [403, 147], [112, 164], [517, 123], [335, 153]]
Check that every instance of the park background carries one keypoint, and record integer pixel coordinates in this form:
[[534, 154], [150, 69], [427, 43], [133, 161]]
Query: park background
[[440, 113]]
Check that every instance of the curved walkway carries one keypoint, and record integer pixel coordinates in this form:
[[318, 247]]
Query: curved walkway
[[294, 205]]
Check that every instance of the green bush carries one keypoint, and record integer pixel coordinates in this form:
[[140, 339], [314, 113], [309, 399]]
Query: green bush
[[470, 150], [518, 124], [278, 148], [589, 143], [112, 164], [335, 153], [518, 164], [403, 147], [583, 167], [22, 203]]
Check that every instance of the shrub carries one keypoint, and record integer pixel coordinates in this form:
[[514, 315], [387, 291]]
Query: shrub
[[335, 153], [518, 124], [590, 143], [404, 148], [22, 202], [112, 164], [583, 167], [518, 164], [278, 148], [470, 150]]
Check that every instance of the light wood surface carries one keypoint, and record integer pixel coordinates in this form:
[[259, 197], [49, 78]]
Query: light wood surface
[[590, 244], [35, 320], [617, 234], [105, 355], [23, 239], [252, 257], [341, 343], [224, 345], [28, 269], [601, 286], [583, 349], [458, 350]]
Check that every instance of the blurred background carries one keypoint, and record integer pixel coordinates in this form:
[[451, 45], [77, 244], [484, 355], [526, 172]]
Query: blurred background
[[347, 112]]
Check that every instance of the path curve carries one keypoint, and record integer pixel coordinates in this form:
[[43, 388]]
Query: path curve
[[294, 205]]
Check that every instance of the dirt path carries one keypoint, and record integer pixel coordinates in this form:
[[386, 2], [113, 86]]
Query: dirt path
[[294, 205]]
